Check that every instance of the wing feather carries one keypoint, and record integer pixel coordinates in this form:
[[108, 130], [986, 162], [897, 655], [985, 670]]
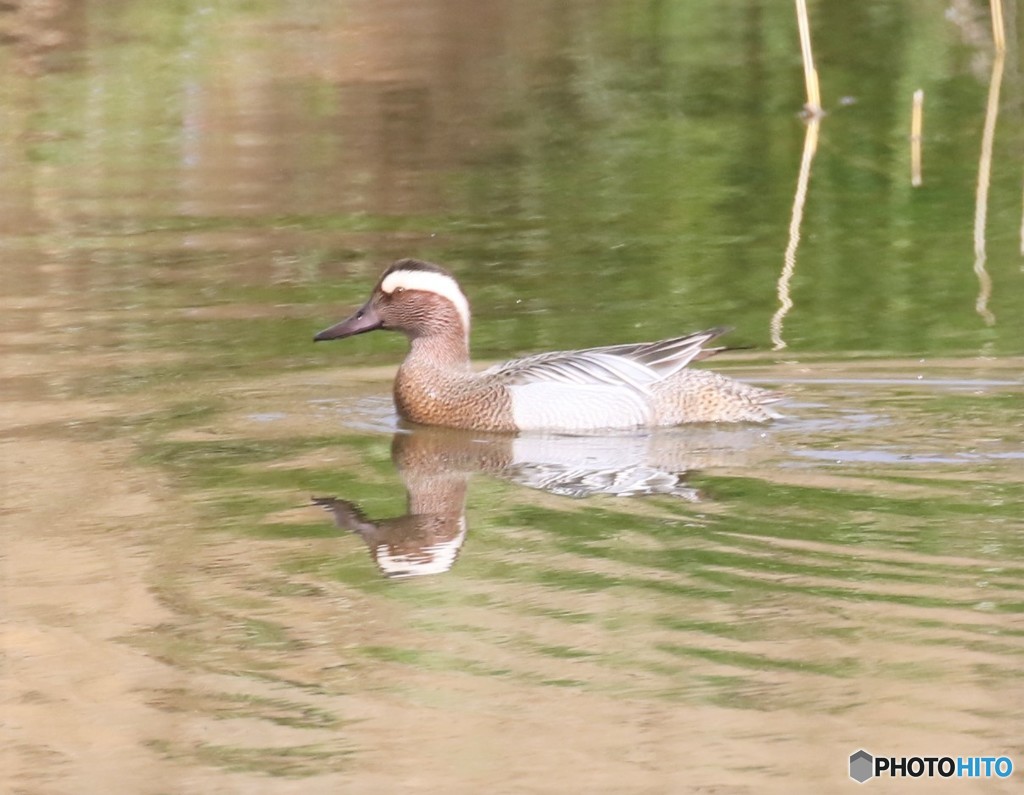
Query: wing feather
[[634, 365]]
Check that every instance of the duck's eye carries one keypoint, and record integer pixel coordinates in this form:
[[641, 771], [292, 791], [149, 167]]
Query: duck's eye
[[398, 291]]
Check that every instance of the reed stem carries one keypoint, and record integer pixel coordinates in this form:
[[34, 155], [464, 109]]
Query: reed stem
[[998, 31], [813, 106], [916, 123]]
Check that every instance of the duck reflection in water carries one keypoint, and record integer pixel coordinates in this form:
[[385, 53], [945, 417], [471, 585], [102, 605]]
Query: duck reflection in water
[[436, 463]]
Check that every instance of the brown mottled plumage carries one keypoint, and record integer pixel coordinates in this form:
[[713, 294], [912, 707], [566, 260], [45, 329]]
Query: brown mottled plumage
[[617, 386]]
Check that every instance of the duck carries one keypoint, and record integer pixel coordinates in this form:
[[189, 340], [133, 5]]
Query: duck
[[610, 388]]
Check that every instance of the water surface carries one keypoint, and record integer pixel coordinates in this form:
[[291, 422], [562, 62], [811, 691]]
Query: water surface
[[189, 191]]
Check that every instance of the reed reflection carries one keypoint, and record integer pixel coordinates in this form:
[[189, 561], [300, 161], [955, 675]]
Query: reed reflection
[[981, 195], [435, 465]]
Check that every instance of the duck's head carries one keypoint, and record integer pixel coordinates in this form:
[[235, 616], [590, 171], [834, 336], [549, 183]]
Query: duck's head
[[417, 298]]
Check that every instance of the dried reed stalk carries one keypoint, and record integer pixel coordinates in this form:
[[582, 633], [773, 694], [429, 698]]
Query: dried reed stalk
[[916, 122], [813, 106], [998, 31]]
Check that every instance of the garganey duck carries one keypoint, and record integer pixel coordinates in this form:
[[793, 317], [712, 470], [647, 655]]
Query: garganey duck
[[635, 385]]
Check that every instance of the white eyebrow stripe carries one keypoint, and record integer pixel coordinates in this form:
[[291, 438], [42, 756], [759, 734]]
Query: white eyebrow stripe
[[431, 282]]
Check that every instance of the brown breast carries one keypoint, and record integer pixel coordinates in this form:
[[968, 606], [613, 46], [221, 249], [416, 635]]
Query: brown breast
[[461, 400]]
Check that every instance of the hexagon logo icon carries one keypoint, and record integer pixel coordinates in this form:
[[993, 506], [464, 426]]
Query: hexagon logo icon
[[862, 766]]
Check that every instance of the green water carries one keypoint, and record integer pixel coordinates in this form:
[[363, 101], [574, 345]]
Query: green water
[[189, 191]]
